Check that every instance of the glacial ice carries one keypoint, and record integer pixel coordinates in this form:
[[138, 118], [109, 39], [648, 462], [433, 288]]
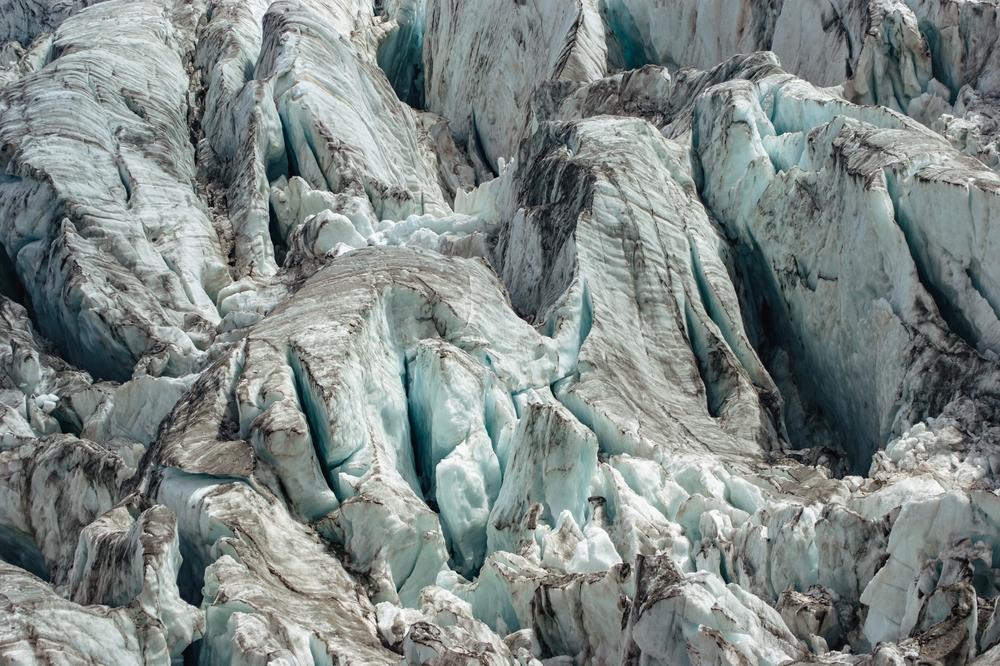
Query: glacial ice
[[510, 53], [438, 332], [133, 226]]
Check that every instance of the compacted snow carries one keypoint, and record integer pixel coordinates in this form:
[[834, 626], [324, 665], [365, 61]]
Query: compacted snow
[[613, 332]]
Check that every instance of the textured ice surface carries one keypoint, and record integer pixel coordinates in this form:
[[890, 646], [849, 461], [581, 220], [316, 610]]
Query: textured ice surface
[[127, 252], [439, 332], [811, 186], [481, 66]]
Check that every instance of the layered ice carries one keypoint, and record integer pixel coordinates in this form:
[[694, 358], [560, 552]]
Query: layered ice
[[121, 266], [823, 184], [481, 66]]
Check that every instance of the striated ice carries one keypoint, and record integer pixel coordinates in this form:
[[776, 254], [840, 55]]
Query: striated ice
[[133, 561], [42, 626], [924, 292], [134, 222], [512, 52], [382, 160], [23, 20], [699, 365]]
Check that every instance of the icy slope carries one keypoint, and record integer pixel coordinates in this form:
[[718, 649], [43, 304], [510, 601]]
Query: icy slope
[[869, 276], [609, 332], [481, 65], [128, 255], [606, 235], [931, 59], [23, 20]]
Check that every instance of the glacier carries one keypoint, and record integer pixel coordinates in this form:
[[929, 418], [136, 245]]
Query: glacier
[[612, 332]]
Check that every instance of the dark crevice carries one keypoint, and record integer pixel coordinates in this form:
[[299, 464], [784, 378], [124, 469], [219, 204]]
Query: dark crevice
[[479, 149], [420, 440], [765, 319], [953, 316], [400, 55], [11, 285], [315, 416], [196, 556], [697, 341], [50, 332], [69, 422], [586, 318], [716, 312], [625, 33], [930, 33], [974, 273], [585, 324], [490, 422], [192, 654], [281, 164], [19, 549], [126, 180], [191, 575], [278, 242], [292, 162], [562, 385]]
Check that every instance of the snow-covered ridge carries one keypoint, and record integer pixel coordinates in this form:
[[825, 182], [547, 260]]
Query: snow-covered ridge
[[476, 332]]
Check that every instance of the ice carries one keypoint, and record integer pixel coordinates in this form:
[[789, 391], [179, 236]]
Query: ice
[[148, 582], [53, 488], [485, 97], [698, 610], [382, 161], [23, 20], [134, 221], [579, 179], [918, 281], [607, 332], [50, 628]]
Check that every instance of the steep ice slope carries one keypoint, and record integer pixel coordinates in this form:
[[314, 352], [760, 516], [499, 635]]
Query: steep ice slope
[[936, 61], [401, 51], [866, 240], [931, 59], [39, 626], [122, 264], [371, 150], [52, 489], [456, 418], [55, 492], [652, 93], [23, 20], [481, 66], [607, 210], [240, 128], [41, 395], [817, 39], [688, 33], [334, 423], [266, 119]]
